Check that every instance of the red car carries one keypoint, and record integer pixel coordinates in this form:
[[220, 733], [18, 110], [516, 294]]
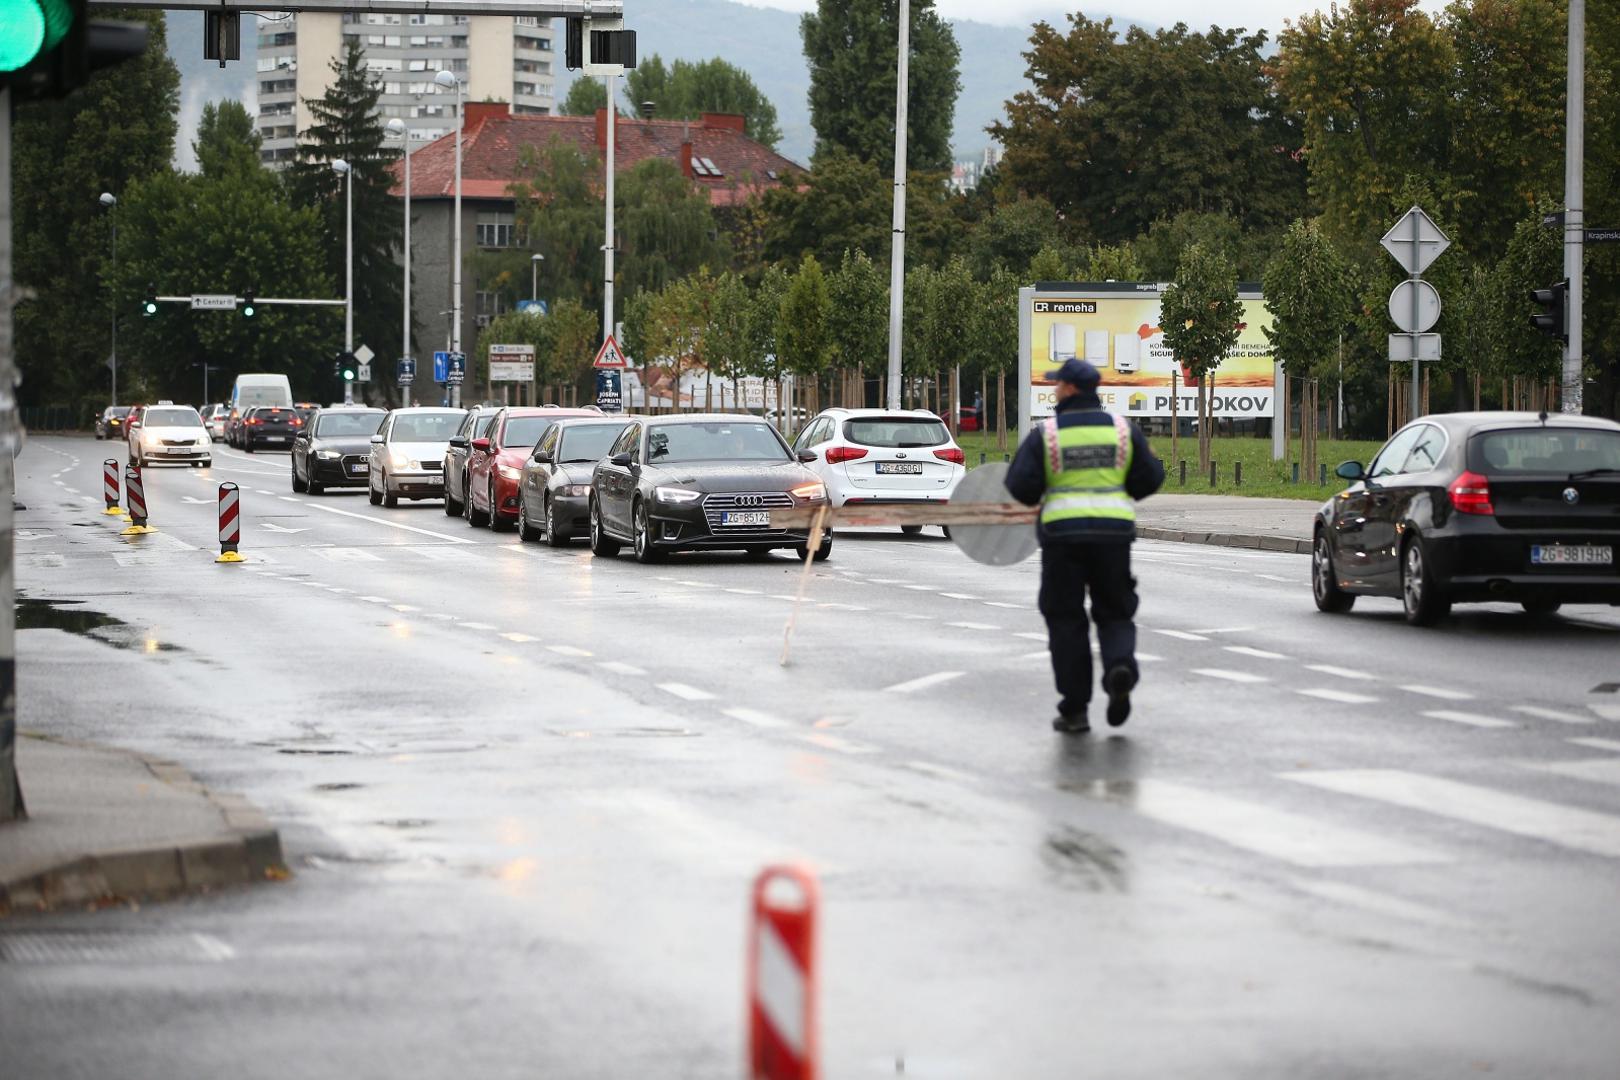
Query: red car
[[495, 462]]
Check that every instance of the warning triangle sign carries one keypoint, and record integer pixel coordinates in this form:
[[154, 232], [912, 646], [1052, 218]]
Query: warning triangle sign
[[610, 355]]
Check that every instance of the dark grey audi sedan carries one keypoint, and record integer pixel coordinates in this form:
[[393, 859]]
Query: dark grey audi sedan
[[1470, 507], [700, 482]]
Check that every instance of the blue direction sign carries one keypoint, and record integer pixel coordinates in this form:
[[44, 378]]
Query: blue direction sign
[[441, 367], [407, 370], [533, 307]]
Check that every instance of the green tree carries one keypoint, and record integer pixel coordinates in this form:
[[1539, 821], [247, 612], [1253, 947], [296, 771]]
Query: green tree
[[575, 334], [1051, 263], [732, 348], [1158, 251], [117, 129], [559, 213], [803, 338], [993, 343], [586, 94], [1112, 262], [227, 141], [852, 47], [1118, 133], [860, 298], [766, 315], [848, 205], [949, 326], [1200, 313], [687, 90], [347, 126], [664, 228], [1534, 260], [1310, 295], [1013, 233]]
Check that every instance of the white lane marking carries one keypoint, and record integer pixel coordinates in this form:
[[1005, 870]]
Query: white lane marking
[[391, 524], [1151, 658], [1268, 830], [568, 650], [685, 692], [1181, 635], [261, 491], [972, 626], [782, 596], [519, 638], [843, 607], [886, 580], [404, 607], [1471, 719], [1551, 714], [1608, 712], [746, 592], [695, 584], [913, 685], [755, 717], [1042, 655], [375, 599], [1438, 692], [1597, 771], [1261, 654], [1276, 577], [475, 626], [1000, 604], [344, 554], [74, 490], [959, 596], [942, 772], [288, 498], [1565, 826], [1341, 672], [834, 742], [1030, 635], [619, 667], [920, 588], [1229, 676], [1343, 697], [1224, 630], [1611, 745], [1340, 892]]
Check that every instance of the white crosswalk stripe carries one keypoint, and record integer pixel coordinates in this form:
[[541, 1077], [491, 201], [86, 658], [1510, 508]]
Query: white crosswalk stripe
[[1343, 697], [1471, 719], [1597, 770], [1566, 826]]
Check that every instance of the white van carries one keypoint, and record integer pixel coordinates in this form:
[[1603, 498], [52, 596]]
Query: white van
[[251, 390]]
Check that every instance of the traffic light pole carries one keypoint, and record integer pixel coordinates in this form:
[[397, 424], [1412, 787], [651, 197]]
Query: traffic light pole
[[1574, 201], [11, 800]]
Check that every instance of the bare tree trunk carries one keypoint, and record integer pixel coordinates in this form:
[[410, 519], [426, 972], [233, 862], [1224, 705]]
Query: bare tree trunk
[[1001, 410]]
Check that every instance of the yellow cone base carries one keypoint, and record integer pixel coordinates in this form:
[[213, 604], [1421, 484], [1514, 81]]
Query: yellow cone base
[[229, 556], [114, 511], [137, 530]]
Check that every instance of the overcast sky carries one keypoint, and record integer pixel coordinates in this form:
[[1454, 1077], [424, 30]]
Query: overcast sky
[[1249, 14]]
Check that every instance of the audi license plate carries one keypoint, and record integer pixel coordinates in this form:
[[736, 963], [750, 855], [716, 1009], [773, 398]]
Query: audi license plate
[[899, 468], [360, 470], [746, 517], [1571, 554]]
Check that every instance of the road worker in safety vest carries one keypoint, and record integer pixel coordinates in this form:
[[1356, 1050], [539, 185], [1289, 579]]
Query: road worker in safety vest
[[1086, 468]]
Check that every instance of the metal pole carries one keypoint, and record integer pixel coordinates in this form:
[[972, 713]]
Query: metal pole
[[405, 142], [114, 213], [1417, 364], [348, 276], [455, 270], [612, 81], [11, 799], [1574, 202], [897, 250]]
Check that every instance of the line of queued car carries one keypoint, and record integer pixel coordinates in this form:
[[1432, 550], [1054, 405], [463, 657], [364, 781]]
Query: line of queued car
[[654, 484]]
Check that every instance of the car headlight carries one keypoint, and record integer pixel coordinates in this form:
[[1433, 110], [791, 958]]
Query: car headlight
[[811, 492], [575, 491], [677, 495], [509, 473], [328, 455], [400, 461]]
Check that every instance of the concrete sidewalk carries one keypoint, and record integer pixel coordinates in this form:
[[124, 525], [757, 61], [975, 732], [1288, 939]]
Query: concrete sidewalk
[[107, 824], [1228, 521]]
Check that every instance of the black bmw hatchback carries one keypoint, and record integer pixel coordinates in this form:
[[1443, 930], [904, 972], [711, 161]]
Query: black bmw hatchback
[[1472, 507], [699, 482]]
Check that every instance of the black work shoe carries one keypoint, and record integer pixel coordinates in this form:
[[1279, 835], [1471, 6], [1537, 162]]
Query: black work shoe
[[1071, 724], [1118, 683]]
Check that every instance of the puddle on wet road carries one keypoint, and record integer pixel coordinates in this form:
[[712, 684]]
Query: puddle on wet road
[[68, 615]]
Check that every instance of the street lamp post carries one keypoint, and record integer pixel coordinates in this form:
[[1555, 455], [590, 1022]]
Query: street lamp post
[[897, 249], [342, 168], [110, 201], [534, 275], [447, 79], [397, 128]]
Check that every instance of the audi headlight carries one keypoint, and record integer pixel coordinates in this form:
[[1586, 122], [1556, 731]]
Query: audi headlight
[[575, 491], [328, 455], [812, 492], [509, 473], [677, 495]]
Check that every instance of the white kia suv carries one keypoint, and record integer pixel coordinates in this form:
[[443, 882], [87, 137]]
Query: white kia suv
[[883, 456]]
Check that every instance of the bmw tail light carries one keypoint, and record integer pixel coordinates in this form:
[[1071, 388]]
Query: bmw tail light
[[953, 455], [1471, 494], [839, 454]]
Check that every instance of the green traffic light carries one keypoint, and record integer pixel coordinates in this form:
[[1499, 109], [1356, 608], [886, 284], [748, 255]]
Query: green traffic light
[[247, 311], [149, 307], [348, 374], [30, 27]]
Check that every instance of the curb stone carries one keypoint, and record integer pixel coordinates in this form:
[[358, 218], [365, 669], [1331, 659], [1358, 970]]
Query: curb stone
[[249, 850], [1233, 540]]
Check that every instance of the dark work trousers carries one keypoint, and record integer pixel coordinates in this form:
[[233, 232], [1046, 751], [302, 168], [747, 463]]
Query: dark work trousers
[[1068, 570]]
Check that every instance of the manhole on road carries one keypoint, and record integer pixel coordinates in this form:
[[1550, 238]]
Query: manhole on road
[[74, 947]]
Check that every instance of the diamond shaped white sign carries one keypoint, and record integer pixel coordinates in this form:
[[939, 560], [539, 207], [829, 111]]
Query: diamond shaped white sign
[[364, 354], [1415, 241]]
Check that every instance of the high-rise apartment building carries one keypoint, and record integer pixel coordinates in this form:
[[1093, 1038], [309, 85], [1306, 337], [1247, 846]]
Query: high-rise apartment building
[[502, 58]]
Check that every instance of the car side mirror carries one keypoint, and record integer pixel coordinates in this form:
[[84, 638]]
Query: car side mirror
[[376, 440], [807, 456], [542, 457], [458, 441], [621, 460], [481, 445], [1351, 471]]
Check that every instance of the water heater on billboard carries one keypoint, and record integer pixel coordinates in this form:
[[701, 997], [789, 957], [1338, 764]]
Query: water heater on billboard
[[1097, 348], [1127, 353], [1061, 342]]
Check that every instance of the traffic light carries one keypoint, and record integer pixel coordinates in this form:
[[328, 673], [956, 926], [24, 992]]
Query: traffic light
[[1550, 319], [48, 48], [344, 367], [248, 309], [149, 306]]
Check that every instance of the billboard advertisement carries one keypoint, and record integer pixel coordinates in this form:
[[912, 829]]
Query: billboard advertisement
[[1115, 326]]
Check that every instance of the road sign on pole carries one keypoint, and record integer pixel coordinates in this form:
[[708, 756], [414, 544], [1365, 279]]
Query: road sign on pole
[[1414, 313], [441, 367], [407, 371], [208, 302], [610, 355], [456, 369], [1415, 241], [363, 373], [1412, 348]]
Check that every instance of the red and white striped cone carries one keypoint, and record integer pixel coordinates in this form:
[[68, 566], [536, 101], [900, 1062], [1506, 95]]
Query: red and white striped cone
[[782, 976], [109, 487], [135, 493], [230, 523]]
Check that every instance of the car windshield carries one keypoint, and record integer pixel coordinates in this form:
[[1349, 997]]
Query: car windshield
[[588, 442], [896, 432], [720, 440], [527, 430], [116, 412], [1549, 449], [173, 417], [425, 427], [337, 425]]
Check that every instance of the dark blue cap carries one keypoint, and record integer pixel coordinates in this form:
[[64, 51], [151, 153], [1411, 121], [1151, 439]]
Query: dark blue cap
[[1076, 372]]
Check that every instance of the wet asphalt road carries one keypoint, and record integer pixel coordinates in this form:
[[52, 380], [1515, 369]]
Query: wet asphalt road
[[524, 792]]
